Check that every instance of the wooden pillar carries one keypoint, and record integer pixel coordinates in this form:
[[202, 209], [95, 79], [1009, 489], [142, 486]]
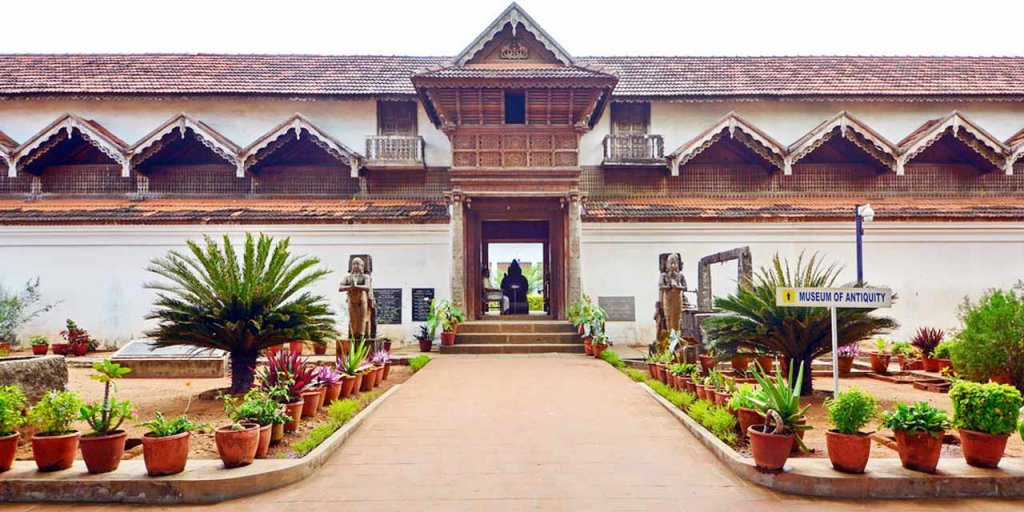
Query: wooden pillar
[[575, 226], [458, 269]]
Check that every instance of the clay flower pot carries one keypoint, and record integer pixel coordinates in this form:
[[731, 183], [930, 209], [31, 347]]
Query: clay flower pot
[[348, 385], [588, 347], [387, 369], [273, 350], [765, 362], [740, 364], [293, 410], [983, 450], [448, 338], [707, 363], [311, 401], [358, 383], [942, 364], [276, 433], [102, 454], [425, 345], [319, 349], [845, 365], [237, 448], [849, 453], [701, 395], [770, 450], [748, 417], [378, 375], [263, 447], [880, 363], [53, 453], [80, 349], [368, 378], [333, 392], [321, 399], [799, 434], [722, 397], [930, 364], [60, 349], [40, 350], [652, 370], [295, 347], [598, 349], [8, 450], [165, 455], [691, 386], [920, 451]]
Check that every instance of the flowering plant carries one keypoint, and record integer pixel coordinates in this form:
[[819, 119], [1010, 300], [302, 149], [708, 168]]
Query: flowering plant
[[851, 350], [329, 376], [380, 357]]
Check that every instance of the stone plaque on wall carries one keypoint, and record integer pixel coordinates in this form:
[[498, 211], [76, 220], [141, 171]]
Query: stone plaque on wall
[[619, 309], [421, 298], [389, 305]]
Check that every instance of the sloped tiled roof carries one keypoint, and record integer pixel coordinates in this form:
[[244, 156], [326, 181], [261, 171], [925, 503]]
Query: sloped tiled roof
[[346, 75], [533, 73]]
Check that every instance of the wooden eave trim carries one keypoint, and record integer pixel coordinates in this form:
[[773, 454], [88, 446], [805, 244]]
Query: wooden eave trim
[[69, 122], [297, 123], [221, 145], [955, 122], [515, 15], [422, 82], [730, 122], [845, 122]]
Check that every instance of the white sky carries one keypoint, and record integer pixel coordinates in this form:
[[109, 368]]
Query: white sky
[[444, 27]]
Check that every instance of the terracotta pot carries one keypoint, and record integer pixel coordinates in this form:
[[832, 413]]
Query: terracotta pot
[[701, 395], [880, 363], [677, 382], [425, 345], [748, 417], [663, 373], [770, 450], [598, 349], [740, 364], [378, 375], [323, 398], [448, 338], [293, 410], [295, 347], [53, 453], [8, 450], [348, 385], [333, 392], [901, 361], [60, 349], [358, 386], [368, 379], [102, 454], [652, 369], [920, 451], [930, 364], [983, 450], [849, 453], [387, 345], [237, 448], [319, 349], [5, 348], [311, 401], [942, 364], [263, 447], [276, 433], [707, 363], [1000, 378], [40, 350], [165, 455], [798, 434], [845, 365], [588, 347], [80, 349], [387, 369], [722, 398], [691, 386], [273, 350], [346, 345], [766, 362]]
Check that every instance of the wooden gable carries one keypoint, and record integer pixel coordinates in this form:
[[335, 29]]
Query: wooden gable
[[511, 48]]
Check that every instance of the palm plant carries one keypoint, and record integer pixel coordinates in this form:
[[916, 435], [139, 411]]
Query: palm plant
[[215, 299], [752, 320]]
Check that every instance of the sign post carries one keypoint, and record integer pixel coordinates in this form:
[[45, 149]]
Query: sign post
[[832, 298]]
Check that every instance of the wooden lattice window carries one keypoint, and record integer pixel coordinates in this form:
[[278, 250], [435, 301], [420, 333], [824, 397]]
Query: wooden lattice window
[[396, 118], [631, 118]]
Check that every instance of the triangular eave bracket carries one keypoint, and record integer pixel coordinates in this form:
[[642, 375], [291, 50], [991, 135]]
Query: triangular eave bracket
[[295, 125], [207, 136], [851, 129], [991, 149], [69, 122], [736, 128], [515, 16]]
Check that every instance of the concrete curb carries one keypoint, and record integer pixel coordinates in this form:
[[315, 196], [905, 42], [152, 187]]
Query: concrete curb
[[203, 481], [885, 478]]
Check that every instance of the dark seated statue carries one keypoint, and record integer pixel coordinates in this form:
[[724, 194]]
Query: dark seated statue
[[515, 287]]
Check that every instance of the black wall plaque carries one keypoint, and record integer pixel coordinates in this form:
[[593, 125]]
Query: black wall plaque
[[421, 298], [389, 305], [619, 309]]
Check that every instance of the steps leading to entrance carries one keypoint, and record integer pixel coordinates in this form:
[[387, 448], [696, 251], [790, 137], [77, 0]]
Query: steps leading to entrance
[[515, 337]]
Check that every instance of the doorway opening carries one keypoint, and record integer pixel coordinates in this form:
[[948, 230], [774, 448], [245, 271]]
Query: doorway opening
[[516, 279]]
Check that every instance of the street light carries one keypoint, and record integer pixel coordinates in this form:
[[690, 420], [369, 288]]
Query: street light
[[863, 213]]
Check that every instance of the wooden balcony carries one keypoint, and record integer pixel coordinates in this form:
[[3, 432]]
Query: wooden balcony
[[634, 150], [394, 152]]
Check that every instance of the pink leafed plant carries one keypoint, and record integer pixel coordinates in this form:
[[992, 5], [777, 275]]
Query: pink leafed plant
[[926, 339], [850, 350]]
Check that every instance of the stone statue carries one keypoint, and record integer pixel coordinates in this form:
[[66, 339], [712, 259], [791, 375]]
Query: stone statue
[[515, 286], [359, 287], [672, 285]]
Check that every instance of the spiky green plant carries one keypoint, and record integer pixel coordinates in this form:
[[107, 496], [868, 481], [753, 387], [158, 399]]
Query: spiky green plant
[[751, 319], [215, 298]]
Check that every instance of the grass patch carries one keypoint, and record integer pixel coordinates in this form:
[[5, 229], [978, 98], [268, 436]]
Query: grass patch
[[314, 438], [417, 363], [636, 375], [338, 413], [612, 358], [343, 410]]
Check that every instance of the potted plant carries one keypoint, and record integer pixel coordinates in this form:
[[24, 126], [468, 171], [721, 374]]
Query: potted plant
[[237, 443], [764, 359], [319, 347], [56, 443], [425, 338], [708, 361], [165, 446], [600, 342], [779, 402], [259, 407], [926, 339], [12, 403], [845, 357], [332, 383], [881, 358], [919, 429], [445, 316], [103, 448], [740, 362], [289, 370], [943, 354], [351, 365], [18, 308], [78, 339], [40, 345], [848, 447], [985, 415], [903, 351], [743, 403], [383, 358]]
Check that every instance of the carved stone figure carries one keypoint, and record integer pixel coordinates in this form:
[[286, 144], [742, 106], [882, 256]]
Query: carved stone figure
[[672, 285], [515, 287], [359, 286]]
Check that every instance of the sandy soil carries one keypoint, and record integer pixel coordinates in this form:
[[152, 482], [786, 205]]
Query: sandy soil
[[181, 396]]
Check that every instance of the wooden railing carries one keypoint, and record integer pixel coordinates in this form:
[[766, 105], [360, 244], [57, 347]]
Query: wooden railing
[[394, 150], [634, 150]]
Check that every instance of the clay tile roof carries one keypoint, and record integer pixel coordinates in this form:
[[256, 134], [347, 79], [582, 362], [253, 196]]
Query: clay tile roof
[[779, 209], [219, 211], [356, 75], [499, 73]]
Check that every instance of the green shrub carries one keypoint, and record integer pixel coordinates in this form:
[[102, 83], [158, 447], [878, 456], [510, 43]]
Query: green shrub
[[658, 387], [721, 423], [55, 412], [850, 410], [417, 363], [535, 301], [1020, 429], [698, 410], [160, 426], [343, 410], [635, 375], [944, 350], [991, 342], [610, 357], [744, 397], [990, 408], [12, 402], [314, 438], [919, 417]]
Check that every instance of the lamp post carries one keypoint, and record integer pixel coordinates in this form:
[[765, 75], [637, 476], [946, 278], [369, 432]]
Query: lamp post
[[863, 213]]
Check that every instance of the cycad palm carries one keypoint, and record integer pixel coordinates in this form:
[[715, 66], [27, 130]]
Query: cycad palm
[[751, 319], [213, 299]]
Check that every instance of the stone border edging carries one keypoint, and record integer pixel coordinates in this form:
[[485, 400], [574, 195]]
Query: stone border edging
[[203, 481], [885, 478]]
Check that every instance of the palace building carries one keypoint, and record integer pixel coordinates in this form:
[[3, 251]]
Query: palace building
[[432, 165]]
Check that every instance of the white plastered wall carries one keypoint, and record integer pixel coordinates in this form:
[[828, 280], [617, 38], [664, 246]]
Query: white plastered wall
[[98, 271], [931, 266]]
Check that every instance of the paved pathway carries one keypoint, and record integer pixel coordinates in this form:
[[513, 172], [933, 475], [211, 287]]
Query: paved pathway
[[529, 433]]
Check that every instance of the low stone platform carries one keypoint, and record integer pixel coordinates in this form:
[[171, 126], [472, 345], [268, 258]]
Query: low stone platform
[[35, 375]]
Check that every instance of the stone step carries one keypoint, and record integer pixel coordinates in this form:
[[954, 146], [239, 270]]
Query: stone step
[[513, 326], [531, 348], [516, 338]]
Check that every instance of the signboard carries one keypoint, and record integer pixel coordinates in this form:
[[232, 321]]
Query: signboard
[[619, 309], [421, 298], [389, 305], [869, 298]]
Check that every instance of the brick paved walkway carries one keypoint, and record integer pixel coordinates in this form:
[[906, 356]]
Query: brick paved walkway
[[530, 433]]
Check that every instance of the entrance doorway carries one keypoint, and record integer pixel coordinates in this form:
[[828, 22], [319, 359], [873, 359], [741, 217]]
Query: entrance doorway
[[516, 278]]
